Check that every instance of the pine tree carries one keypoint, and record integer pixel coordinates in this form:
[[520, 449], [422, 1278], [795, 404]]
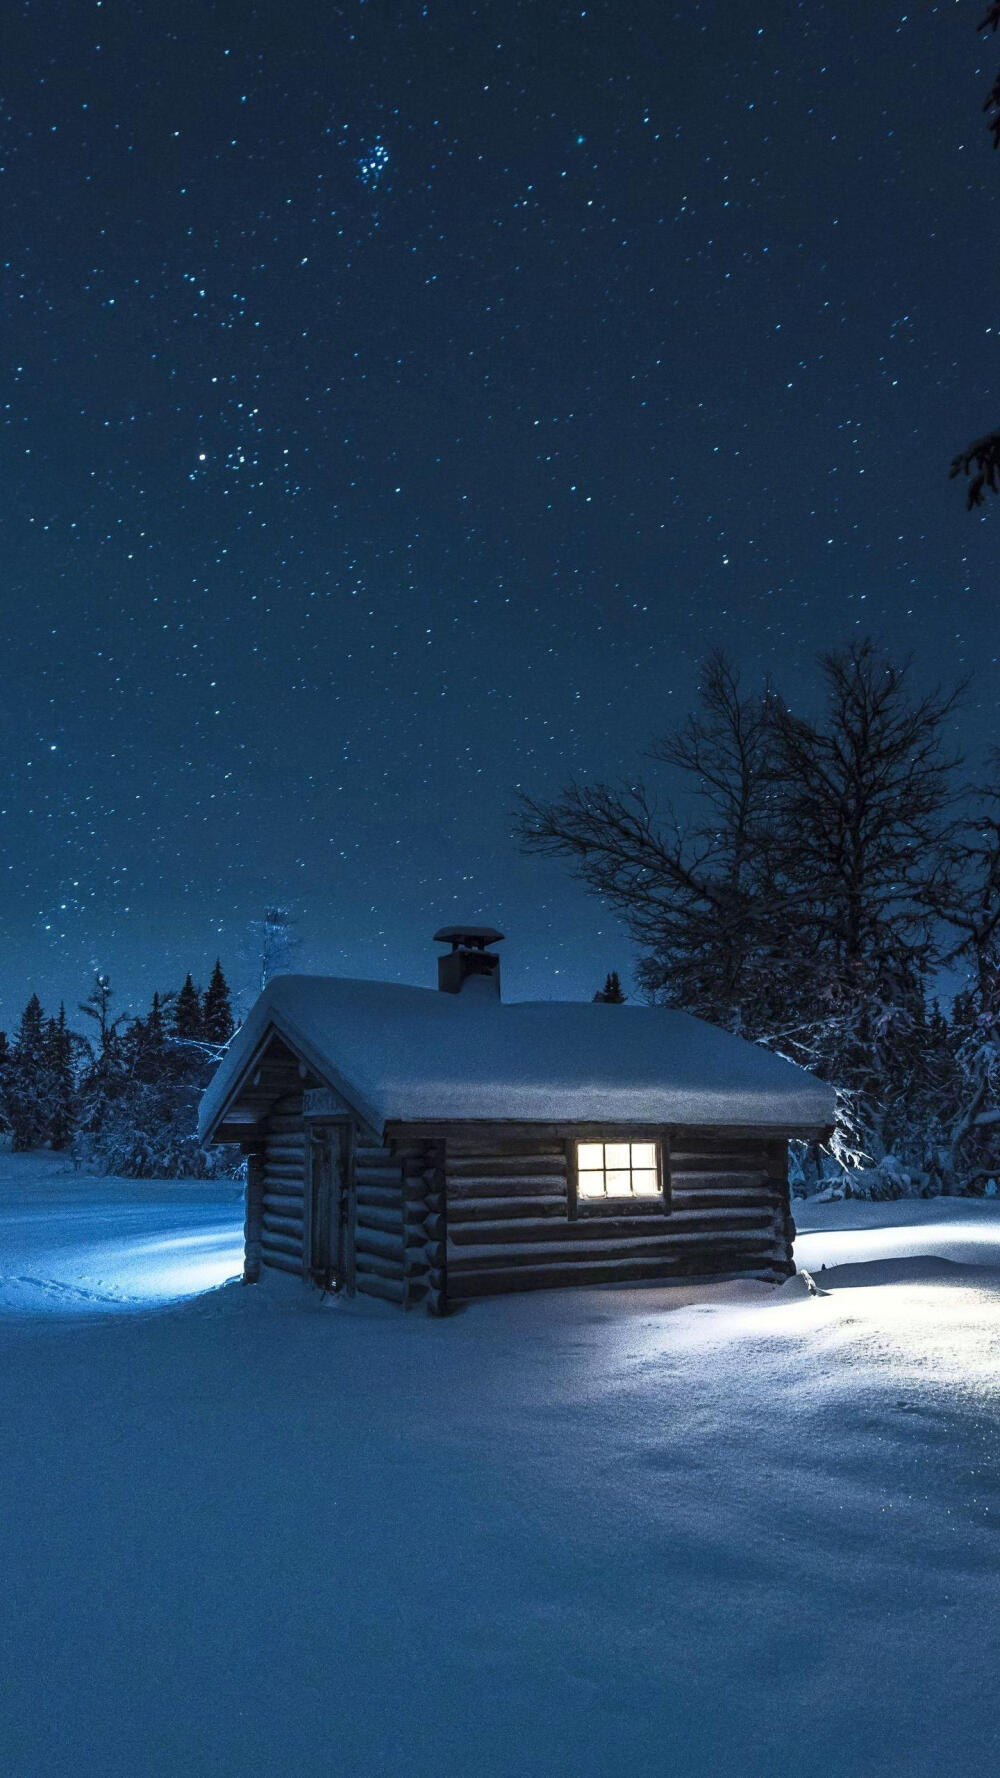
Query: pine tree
[[217, 1012], [24, 1095], [60, 1086], [188, 1021], [611, 993]]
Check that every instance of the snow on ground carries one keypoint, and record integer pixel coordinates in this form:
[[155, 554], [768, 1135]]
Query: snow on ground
[[730, 1531], [69, 1243]]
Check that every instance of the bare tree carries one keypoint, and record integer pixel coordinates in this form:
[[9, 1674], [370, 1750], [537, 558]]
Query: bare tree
[[795, 904], [691, 890]]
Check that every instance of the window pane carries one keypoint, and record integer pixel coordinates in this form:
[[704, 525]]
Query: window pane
[[617, 1153], [619, 1183], [643, 1154], [644, 1182], [590, 1185], [589, 1155]]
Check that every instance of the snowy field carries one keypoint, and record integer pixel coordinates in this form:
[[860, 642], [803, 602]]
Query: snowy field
[[735, 1532]]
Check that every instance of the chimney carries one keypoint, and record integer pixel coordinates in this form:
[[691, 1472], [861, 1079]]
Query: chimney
[[468, 961]]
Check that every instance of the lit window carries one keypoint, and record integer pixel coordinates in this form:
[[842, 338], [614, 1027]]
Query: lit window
[[617, 1170]]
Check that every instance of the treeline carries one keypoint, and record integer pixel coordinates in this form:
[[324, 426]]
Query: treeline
[[805, 880], [122, 1094]]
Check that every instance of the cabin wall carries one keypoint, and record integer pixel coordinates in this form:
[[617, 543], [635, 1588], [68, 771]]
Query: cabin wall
[[398, 1196], [511, 1223], [444, 1219], [283, 1171]]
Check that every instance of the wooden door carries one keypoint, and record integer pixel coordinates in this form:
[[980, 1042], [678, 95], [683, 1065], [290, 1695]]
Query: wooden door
[[329, 1232]]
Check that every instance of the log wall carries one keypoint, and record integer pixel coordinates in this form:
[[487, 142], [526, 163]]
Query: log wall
[[283, 1202], [513, 1224], [398, 1218], [444, 1219]]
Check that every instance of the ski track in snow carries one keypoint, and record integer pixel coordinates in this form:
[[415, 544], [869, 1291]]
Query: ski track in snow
[[721, 1532]]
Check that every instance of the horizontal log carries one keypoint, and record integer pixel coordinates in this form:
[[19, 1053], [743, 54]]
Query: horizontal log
[[462, 1166], [283, 1189], [585, 1230], [390, 1289], [493, 1142], [292, 1176], [497, 1185], [753, 1198], [283, 1225], [389, 1221], [282, 1263], [478, 1259], [462, 1210], [374, 1265], [718, 1163], [374, 1241], [379, 1197], [499, 1282], [371, 1176], [274, 1243]]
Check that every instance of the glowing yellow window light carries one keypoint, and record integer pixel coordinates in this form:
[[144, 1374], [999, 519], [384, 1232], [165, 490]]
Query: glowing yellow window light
[[617, 1170]]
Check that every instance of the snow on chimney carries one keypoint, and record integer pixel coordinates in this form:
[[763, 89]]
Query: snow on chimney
[[469, 961]]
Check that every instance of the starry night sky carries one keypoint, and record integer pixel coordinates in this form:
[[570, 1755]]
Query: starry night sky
[[400, 399]]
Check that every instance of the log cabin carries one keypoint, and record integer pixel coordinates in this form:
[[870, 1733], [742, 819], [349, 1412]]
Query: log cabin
[[432, 1146]]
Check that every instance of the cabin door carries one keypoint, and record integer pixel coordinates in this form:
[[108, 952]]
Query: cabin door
[[328, 1256]]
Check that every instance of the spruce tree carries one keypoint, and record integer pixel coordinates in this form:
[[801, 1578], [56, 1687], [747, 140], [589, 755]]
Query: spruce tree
[[611, 993], [188, 1022], [25, 1105], [59, 1080], [217, 1012]]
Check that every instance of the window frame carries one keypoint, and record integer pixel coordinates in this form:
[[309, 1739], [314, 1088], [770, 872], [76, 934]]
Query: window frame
[[626, 1205]]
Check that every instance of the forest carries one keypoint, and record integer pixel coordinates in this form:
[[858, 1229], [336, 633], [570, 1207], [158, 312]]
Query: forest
[[121, 1097]]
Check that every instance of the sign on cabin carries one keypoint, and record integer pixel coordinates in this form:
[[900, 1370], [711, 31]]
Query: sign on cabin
[[322, 1102]]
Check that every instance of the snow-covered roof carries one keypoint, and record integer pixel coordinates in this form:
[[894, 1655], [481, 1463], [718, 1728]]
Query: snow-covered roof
[[417, 1055]]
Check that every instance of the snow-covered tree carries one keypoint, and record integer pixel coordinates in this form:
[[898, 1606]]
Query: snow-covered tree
[[188, 1021], [59, 1081], [25, 1097], [218, 1023], [862, 801]]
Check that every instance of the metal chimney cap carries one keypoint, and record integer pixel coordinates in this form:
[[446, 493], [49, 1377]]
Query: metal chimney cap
[[476, 936]]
